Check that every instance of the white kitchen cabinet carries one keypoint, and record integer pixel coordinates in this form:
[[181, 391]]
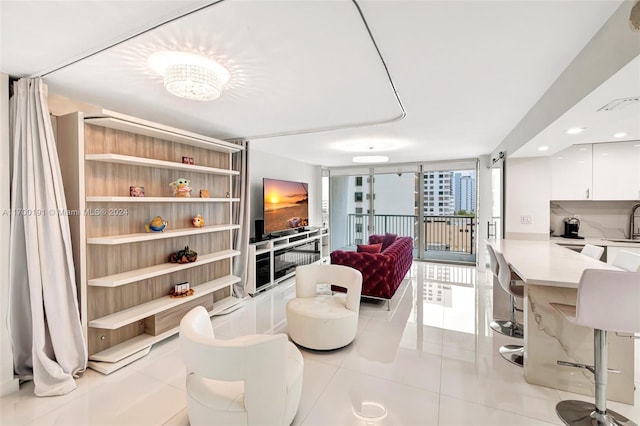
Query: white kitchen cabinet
[[616, 171], [571, 173]]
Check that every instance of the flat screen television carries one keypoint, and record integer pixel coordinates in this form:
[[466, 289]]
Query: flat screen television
[[286, 205]]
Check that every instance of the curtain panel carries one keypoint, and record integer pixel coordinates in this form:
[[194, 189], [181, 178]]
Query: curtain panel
[[44, 319]]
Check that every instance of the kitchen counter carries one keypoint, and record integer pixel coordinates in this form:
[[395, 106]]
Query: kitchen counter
[[551, 273], [547, 263], [596, 241]]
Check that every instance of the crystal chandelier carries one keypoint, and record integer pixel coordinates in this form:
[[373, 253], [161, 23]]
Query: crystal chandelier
[[190, 76], [192, 82]]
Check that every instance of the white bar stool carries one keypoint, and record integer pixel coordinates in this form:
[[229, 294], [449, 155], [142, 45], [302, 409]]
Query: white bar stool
[[607, 301], [627, 260], [512, 353], [592, 251]]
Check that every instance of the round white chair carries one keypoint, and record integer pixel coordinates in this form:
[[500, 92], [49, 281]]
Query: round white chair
[[592, 251], [249, 380], [324, 321], [508, 281], [607, 301]]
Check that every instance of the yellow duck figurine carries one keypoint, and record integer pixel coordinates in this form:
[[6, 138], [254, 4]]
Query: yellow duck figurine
[[157, 224], [198, 221], [181, 188]]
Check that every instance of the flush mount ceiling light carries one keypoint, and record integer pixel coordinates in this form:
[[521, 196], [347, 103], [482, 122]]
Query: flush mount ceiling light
[[619, 135], [190, 76], [370, 159]]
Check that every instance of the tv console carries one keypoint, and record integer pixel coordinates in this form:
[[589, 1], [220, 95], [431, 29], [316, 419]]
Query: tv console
[[275, 260]]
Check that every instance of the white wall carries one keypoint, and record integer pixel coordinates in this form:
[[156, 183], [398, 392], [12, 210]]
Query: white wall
[[265, 165], [7, 382], [527, 193]]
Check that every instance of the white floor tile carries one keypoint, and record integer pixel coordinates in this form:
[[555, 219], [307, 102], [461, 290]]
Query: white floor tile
[[426, 361]]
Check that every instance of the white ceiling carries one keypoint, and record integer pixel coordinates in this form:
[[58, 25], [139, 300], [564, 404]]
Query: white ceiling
[[465, 71]]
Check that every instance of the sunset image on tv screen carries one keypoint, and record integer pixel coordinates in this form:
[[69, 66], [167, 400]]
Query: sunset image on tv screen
[[286, 205]]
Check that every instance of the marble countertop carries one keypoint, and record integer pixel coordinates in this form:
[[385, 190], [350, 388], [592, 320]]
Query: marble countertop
[[547, 263], [596, 241]]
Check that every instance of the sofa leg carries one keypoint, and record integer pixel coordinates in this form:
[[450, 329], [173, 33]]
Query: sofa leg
[[389, 305]]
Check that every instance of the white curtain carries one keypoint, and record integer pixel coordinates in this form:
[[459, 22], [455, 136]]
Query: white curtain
[[241, 212], [43, 311]]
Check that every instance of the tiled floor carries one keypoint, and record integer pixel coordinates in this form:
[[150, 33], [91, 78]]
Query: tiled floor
[[431, 360]]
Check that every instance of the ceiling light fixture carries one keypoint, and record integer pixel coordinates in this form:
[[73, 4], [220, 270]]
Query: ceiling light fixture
[[619, 135], [190, 76], [370, 159], [576, 130], [543, 148]]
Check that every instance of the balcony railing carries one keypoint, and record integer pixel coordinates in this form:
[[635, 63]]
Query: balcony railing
[[442, 233]]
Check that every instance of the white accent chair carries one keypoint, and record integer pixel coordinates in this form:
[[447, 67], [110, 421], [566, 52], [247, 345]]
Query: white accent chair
[[627, 260], [248, 380], [592, 251], [324, 321], [607, 301]]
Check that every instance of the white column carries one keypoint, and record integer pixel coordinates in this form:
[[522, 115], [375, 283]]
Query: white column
[[8, 383], [484, 209]]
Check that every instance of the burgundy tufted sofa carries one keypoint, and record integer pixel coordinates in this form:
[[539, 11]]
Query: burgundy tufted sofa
[[383, 272]]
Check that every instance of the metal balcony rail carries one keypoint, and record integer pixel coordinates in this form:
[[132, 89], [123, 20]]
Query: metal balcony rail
[[442, 233]]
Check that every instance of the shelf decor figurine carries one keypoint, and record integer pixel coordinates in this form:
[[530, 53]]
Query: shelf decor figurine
[[136, 191], [157, 224], [198, 221], [204, 193], [181, 188], [183, 256]]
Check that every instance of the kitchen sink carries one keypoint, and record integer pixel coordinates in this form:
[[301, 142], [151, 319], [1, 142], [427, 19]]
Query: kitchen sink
[[622, 240]]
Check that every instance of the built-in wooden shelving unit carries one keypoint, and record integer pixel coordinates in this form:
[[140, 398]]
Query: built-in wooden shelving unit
[[122, 272]]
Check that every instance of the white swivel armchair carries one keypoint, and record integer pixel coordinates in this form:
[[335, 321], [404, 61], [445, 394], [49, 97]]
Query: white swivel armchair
[[324, 321], [248, 380]]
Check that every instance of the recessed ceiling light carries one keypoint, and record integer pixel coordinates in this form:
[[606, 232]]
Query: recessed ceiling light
[[605, 153], [638, 144], [543, 148], [560, 158], [582, 149], [370, 159], [619, 135], [576, 130]]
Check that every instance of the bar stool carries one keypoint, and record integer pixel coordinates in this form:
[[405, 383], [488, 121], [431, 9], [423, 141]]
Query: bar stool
[[627, 260], [607, 301], [512, 353], [592, 251]]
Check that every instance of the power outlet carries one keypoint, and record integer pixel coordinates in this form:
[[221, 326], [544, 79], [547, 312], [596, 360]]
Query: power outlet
[[526, 220]]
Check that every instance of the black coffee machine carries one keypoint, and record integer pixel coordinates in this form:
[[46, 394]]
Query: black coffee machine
[[571, 228]]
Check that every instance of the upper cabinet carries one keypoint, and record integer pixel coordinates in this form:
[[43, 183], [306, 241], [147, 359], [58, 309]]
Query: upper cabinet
[[571, 174], [616, 171], [602, 171]]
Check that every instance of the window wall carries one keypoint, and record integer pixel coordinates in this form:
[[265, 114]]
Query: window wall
[[435, 204]]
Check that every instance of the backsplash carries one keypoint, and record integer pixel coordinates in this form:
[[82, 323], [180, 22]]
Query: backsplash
[[608, 219]]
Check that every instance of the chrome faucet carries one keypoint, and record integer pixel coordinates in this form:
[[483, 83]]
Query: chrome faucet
[[634, 223]]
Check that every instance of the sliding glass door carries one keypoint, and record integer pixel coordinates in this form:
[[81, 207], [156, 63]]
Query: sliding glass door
[[435, 204]]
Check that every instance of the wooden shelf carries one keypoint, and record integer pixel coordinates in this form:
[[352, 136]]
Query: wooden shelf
[[152, 236], [160, 164], [117, 121], [129, 277], [123, 350], [144, 310], [109, 199]]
